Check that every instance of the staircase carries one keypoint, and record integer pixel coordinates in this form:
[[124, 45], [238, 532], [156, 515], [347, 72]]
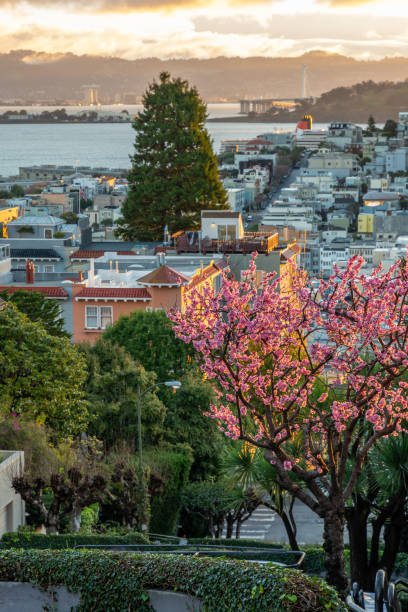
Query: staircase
[[256, 527]]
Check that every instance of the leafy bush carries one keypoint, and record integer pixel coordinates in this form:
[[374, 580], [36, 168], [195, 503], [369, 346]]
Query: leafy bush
[[25, 229], [69, 540], [89, 518], [117, 582]]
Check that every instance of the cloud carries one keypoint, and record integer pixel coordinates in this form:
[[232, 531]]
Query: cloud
[[188, 44], [111, 6], [317, 26]]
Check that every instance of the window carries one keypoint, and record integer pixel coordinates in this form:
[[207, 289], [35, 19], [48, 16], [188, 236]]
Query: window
[[106, 316], [48, 233], [49, 268], [91, 317], [226, 232]]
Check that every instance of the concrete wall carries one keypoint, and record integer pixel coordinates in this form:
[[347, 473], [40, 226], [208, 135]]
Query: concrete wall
[[12, 508], [19, 596]]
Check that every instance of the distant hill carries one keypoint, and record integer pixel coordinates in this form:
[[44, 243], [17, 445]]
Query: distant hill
[[382, 100], [29, 75]]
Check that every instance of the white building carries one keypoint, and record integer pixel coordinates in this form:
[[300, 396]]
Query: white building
[[344, 135], [331, 254], [300, 217], [12, 507], [236, 198], [221, 225]]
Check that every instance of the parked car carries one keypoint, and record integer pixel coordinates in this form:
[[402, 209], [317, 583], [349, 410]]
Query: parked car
[[249, 218]]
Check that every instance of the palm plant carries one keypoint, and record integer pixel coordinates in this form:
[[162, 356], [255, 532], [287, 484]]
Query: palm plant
[[378, 499], [245, 467]]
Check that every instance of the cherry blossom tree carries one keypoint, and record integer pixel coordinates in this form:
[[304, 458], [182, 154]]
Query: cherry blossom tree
[[302, 369]]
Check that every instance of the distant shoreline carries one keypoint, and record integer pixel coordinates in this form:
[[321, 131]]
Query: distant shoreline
[[48, 122], [246, 119]]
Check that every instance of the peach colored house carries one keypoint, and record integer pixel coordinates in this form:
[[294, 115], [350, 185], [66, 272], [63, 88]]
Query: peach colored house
[[94, 308]]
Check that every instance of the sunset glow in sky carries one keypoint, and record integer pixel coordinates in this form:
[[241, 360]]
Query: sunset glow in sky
[[205, 28]]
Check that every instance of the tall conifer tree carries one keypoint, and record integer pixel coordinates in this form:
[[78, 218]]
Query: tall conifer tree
[[174, 170]]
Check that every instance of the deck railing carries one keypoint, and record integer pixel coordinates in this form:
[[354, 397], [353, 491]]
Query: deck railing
[[386, 594]]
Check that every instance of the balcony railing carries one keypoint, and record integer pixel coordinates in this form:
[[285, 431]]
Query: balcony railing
[[387, 595]]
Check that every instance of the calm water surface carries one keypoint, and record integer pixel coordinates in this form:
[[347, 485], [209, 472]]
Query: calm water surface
[[105, 145]]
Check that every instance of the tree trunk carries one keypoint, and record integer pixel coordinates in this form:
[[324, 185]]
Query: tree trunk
[[230, 525], [357, 518], [238, 528], [289, 531], [333, 537], [52, 522], [75, 519], [392, 536]]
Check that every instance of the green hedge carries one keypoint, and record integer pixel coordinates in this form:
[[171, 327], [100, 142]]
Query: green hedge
[[117, 582], [246, 543], [69, 540]]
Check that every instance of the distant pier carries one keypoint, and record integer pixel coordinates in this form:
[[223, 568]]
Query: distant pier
[[261, 106]]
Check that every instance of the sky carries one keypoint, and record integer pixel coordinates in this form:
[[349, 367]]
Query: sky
[[204, 28]]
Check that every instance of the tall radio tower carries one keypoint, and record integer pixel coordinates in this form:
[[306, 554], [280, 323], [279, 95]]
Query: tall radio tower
[[303, 82]]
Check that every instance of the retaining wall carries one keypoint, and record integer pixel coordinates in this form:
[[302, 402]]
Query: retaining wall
[[19, 596]]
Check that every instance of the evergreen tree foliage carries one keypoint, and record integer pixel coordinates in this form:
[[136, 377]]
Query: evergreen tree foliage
[[150, 340], [41, 376], [174, 170], [111, 390], [37, 307], [185, 422]]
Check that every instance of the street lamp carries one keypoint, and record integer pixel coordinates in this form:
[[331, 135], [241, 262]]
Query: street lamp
[[175, 384]]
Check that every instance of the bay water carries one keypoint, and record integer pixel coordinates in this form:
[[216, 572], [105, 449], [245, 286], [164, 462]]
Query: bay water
[[106, 145]]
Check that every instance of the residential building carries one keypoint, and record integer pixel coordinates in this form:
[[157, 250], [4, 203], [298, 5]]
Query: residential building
[[98, 303], [12, 507], [396, 160], [301, 217], [236, 198], [331, 254], [5, 264], [311, 139], [7, 214], [339, 164], [343, 135]]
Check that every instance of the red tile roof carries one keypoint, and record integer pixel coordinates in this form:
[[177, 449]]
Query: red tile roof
[[164, 276], [52, 292], [83, 254], [119, 293]]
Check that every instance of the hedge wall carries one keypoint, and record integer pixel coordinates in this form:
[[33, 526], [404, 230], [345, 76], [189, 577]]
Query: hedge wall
[[118, 582], [69, 540], [235, 542]]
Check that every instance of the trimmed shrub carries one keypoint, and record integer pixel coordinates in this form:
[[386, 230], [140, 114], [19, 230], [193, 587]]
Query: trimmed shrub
[[69, 540], [118, 582]]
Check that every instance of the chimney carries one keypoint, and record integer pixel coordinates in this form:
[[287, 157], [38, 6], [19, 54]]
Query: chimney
[[30, 272]]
